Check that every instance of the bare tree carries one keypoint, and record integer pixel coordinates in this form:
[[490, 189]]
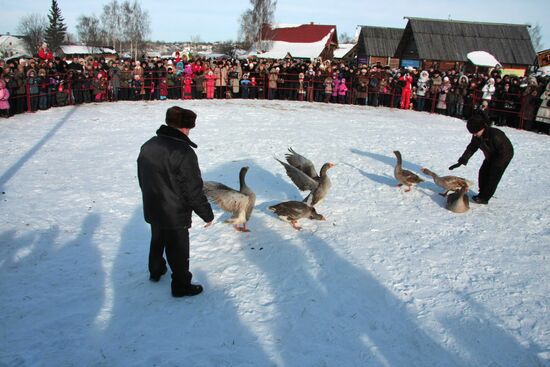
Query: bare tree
[[32, 28], [136, 25], [345, 38], [536, 36], [254, 19], [89, 31], [69, 39], [111, 19]]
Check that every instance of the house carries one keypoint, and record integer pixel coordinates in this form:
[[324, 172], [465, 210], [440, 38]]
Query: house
[[307, 41], [13, 47], [543, 62], [377, 45], [70, 51], [444, 44], [345, 51]]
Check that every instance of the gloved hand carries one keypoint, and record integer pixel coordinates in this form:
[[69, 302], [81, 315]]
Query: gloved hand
[[461, 162], [456, 165]]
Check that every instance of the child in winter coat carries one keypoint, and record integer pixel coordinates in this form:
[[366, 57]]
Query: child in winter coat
[[210, 84], [301, 87], [61, 95], [342, 91], [163, 89], [253, 88], [335, 87], [187, 86], [245, 86], [442, 96], [43, 87], [328, 88], [136, 88], [406, 92], [34, 89], [4, 100], [422, 86], [488, 90]]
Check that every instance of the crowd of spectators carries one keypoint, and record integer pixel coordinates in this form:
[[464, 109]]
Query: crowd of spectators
[[46, 81]]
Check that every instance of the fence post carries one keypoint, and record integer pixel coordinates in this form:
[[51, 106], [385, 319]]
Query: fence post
[[28, 96], [70, 90]]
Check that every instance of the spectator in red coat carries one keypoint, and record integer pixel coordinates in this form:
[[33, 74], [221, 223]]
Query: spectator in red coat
[[45, 53]]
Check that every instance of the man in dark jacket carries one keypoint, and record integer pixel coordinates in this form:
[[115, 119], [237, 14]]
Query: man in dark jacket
[[498, 151], [172, 188]]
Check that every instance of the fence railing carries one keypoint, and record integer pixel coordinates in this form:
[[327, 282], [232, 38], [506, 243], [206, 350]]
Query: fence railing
[[155, 85]]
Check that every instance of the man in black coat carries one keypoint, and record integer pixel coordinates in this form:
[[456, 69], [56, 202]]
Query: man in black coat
[[172, 188], [498, 151]]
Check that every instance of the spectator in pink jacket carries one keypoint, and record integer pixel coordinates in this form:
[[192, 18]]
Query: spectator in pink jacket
[[342, 91], [4, 100]]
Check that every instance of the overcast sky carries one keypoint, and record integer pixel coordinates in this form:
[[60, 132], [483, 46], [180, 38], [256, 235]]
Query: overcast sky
[[218, 20]]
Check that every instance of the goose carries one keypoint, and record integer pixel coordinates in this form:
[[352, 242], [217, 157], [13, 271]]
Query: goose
[[404, 177], [239, 203], [302, 172], [292, 211], [449, 183], [458, 202]]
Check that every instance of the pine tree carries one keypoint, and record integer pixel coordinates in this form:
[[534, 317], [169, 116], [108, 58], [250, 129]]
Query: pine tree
[[55, 33]]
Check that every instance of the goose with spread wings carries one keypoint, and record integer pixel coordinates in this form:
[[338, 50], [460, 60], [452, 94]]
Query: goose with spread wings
[[302, 172], [239, 203]]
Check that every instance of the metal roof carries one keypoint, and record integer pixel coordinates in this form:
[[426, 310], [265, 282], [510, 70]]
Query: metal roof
[[452, 40], [379, 41]]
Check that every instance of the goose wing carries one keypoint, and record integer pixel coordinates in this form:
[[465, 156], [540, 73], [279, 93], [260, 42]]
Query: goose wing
[[407, 177], [292, 210], [302, 163], [454, 182], [225, 197], [300, 179]]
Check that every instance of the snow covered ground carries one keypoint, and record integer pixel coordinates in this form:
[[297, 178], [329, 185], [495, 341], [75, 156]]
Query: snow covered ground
[[390, 279]]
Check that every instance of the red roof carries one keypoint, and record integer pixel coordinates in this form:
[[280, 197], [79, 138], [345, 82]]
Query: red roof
[[305, 33]]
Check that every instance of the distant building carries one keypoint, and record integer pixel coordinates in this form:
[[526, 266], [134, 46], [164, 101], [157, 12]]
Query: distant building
[[85, 51], [543, 58], [306, 41], [377, 45], [345, 51], [13, 47], [444, 44]]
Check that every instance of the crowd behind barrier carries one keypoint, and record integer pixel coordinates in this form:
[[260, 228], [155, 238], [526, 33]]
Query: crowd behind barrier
[[42, 83]]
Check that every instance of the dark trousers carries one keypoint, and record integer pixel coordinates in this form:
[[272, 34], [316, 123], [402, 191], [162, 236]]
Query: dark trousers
[[175, 241], [488, 178]]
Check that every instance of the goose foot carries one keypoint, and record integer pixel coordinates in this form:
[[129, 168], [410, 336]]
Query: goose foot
[[241, 229], [295, 225]]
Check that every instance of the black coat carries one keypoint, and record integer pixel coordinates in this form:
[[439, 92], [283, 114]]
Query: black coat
[[170, 180], [494, 144]]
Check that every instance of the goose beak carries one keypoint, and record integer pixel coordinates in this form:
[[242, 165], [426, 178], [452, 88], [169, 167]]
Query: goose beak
[[330, 165]]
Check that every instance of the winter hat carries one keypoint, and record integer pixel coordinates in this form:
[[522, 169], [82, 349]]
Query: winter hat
[[476, 123], [180, 118]]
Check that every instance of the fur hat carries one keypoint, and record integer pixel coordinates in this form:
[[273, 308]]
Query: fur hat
[[476, 123], [180, 118]]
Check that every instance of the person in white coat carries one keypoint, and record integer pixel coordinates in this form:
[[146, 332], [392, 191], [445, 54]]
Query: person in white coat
[[488, 90], [543, 113]]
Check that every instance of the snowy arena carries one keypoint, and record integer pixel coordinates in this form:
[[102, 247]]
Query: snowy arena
[[391, 278]]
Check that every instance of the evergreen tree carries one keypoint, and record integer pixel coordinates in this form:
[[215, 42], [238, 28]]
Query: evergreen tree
[[55, 33]]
